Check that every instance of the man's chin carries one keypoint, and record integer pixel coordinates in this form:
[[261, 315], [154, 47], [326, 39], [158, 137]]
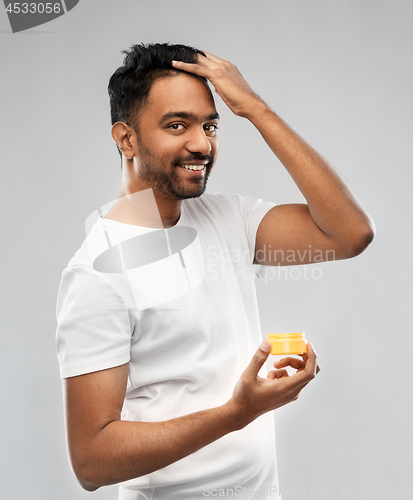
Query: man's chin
[[193, 190], [187, 194]]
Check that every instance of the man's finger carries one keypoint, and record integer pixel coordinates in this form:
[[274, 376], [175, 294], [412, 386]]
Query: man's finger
[[259, 358], [273, 374], [303, 376], [212, 57], [295, 363], [197, 69]]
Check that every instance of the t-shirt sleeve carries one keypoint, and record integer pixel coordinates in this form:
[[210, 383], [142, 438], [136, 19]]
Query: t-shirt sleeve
[[252, 211], [94, 323]]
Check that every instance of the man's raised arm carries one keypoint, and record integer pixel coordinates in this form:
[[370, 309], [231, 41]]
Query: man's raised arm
[[333, 221], [106, 450]]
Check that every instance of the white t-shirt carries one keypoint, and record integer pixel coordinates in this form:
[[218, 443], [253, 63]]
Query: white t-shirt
[[188, 325]]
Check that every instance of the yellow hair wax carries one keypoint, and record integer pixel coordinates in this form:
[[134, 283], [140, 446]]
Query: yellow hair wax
[[287, 343]]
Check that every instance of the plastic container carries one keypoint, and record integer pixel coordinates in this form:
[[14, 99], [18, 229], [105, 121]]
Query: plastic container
[[287, 343]]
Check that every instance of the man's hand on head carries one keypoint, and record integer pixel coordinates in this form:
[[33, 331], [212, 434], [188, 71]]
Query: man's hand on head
[[227, 81]]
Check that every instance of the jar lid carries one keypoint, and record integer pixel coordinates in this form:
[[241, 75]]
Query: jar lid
[[287, 343], [286, 336]]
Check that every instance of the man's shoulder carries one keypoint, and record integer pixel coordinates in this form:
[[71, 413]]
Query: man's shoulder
[[98, 239]]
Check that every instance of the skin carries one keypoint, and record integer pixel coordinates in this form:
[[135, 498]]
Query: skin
[[103, 448], [177, 127]]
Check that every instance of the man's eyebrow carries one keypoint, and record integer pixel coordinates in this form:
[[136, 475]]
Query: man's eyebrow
[[187, 116]]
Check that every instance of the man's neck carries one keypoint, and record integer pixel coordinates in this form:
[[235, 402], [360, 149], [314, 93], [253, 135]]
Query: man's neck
[[146, 208], [169, 209]]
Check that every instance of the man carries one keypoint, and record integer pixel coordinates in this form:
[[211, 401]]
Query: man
[[164, 397]]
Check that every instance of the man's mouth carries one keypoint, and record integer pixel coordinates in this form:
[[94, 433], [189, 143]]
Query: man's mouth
[[193, 167]]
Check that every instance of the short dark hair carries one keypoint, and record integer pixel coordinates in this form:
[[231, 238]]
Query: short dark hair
[[130, 84]]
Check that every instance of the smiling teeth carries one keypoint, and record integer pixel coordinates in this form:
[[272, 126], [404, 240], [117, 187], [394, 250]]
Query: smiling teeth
[[193, 167]]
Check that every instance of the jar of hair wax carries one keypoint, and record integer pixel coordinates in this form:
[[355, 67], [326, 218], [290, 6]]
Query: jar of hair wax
[[287, 343]]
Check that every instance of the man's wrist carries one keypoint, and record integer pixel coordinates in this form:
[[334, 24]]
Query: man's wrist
[[234, 416], [258, 110]]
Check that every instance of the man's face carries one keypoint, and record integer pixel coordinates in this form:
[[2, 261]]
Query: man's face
[[177, 143]]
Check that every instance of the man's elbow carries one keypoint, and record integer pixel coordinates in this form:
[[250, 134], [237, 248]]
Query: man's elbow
[[86, 474], [86, 479], [361, 239], [88, 486]]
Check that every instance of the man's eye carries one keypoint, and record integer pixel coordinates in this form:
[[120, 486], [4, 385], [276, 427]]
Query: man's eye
[[176, 126], [211, 128]]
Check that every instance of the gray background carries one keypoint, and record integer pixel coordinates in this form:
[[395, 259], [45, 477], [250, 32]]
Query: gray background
[[340, 72]]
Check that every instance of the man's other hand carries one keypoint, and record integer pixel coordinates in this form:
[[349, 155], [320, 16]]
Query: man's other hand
[[253, 395]]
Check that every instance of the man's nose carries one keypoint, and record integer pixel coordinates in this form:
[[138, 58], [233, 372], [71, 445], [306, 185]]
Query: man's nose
[[199, 142]]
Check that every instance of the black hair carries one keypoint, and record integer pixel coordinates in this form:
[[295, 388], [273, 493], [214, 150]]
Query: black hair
[[130, 84]]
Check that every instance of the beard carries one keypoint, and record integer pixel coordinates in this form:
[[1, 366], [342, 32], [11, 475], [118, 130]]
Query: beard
[[170, 184]]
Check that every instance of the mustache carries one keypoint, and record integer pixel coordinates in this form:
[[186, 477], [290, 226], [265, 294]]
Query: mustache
[[194, 157]]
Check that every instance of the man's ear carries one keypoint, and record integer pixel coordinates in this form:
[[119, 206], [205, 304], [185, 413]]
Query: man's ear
[[122, 134]]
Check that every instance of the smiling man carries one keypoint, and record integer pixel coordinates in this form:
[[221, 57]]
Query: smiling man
[[172, 400], [156, 141]]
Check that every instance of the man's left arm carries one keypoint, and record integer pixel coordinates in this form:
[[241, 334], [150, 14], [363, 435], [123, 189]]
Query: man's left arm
[[333, 224]]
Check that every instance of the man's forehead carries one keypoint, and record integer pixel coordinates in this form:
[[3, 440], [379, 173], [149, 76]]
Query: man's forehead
[[182, 94]]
